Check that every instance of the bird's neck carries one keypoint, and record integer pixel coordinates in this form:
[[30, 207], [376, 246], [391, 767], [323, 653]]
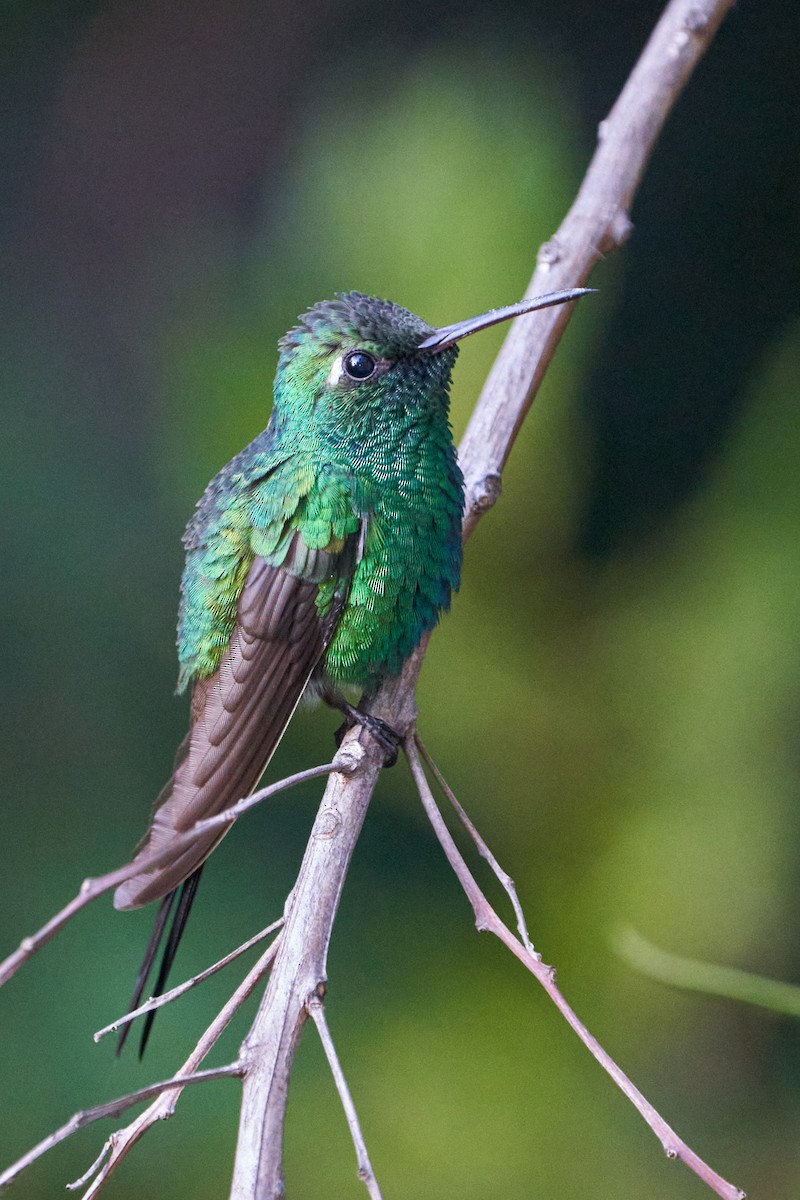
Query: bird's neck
[[382, 438]]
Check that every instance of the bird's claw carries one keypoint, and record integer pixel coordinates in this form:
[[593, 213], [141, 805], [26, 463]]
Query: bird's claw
[[387, 738]]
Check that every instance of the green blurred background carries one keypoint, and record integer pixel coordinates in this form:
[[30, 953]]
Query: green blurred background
[[615, 694]]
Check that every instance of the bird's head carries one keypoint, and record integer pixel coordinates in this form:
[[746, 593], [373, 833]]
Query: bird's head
[[351, 354]]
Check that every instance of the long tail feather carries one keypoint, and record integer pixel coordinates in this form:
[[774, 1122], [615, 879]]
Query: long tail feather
[[188, 892], [150, 954]]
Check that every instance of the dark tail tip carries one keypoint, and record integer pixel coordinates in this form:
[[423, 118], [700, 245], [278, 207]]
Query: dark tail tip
[[188, 891], [150, 954], [187, 895]]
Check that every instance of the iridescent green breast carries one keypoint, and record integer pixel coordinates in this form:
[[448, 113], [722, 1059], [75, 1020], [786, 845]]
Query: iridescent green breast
[[410, 566]]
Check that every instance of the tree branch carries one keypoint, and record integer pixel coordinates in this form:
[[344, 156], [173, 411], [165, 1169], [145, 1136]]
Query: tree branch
[[123, 1140], [299, 974], [91, 889], [180, 989], [597, 223], [316, 1010], [167, 1094], [111, 1108], [487, 920], [505, 880]]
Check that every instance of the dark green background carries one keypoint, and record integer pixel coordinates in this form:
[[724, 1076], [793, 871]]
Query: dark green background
[[615, 695]]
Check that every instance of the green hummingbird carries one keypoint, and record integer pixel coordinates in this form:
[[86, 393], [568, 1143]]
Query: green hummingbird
[[315, 562]]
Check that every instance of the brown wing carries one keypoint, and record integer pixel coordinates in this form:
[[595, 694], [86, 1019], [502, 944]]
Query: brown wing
[[239, 715]]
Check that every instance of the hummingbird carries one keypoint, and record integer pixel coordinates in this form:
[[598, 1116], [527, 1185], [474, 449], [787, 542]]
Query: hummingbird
[[316, 560]]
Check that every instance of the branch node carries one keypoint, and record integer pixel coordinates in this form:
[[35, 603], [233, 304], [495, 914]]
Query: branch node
[[679, 42], [620, 228], [549, 253], [349, 758], [485, 492], [697, 20], [328, 825], [94, 1168]]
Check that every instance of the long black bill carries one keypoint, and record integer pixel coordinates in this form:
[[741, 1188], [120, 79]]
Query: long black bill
[[448, 335]]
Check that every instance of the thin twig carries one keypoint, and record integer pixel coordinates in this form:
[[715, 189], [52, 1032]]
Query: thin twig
[[167, 1092], [91, 889], [111, 1108], [486, 919], [93, 1168], [179, 990], [123, 1140], [504, 878], [316, 1009]]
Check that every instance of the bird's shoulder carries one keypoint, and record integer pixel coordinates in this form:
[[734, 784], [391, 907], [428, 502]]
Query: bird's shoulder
[[223, 503], [272, 504]]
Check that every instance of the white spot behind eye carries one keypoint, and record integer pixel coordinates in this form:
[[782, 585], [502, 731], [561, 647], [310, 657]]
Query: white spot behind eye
[[336, 371]]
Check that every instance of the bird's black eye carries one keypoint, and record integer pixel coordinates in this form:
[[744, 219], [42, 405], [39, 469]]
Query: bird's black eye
[[359, 365]]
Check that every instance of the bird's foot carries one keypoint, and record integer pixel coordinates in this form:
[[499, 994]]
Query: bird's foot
[[387, 738]]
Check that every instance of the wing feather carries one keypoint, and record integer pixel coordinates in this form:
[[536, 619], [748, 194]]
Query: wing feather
[[239, 715]]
